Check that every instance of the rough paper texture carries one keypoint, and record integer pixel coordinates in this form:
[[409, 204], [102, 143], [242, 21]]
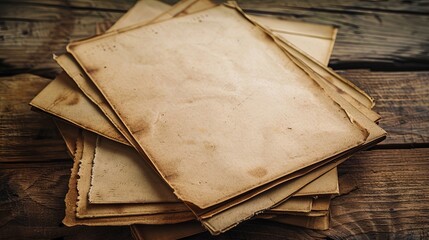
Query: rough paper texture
[[213, 110], [86, 210]]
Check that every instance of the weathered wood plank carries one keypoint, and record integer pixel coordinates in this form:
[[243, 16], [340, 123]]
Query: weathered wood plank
[[376, 35], [26, 135], [372, 34], [32, 204], [390, 199], [402, 100], [394, 6], [99, 5], [31, 32], [391, 196]]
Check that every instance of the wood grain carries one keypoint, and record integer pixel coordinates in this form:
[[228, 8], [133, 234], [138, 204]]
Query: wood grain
[[372, 34], [26, 135], [384, 191], [375, 35], [390, 200], [32, 204], [402, 100], [30, 32]]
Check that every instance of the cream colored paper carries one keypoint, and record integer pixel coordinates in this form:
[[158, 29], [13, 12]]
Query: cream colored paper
[[251, 97]]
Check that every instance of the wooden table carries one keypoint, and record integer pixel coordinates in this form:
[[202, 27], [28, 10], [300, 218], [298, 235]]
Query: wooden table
[[382, 47]]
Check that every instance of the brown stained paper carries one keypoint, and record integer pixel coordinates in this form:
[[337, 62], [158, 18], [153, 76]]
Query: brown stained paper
[[139, 177], [110, 119], [294, 34], [376, 133], [273, 195], [296, 204], [112, 222], [230, 217], [117, 193], [62, 98], [73, 70], [242, 102], [131, 171], [76, 73], [85, 210], [72, 195], [320, 32]]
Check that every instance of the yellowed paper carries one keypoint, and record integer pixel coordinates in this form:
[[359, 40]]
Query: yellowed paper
[[236, 100], [229, 218], [72, 195], [113, 180], [295, 204], [62, 98], [317, 223], [86, 210], [119, 173], [321, 203], [326, 184], [131, 173]]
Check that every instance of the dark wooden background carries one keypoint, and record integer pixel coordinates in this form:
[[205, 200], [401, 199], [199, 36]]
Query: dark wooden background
[[382, 46]]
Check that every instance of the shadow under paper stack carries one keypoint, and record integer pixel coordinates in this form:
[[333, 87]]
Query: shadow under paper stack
[[197, 117]]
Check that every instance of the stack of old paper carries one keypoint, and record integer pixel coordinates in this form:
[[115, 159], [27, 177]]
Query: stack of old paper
[[197, 117]]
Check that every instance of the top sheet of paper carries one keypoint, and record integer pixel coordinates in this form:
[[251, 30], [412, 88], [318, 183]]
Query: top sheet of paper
[[215, 104]]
